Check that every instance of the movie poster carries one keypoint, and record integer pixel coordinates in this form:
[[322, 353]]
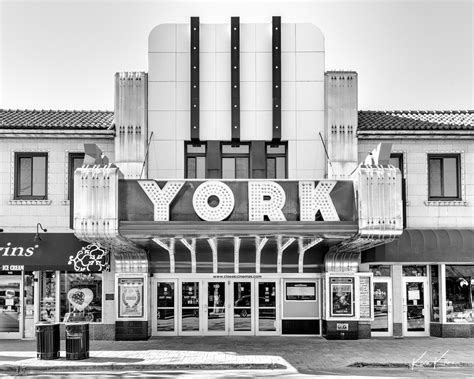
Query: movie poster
[[342, 296], [130, 297]]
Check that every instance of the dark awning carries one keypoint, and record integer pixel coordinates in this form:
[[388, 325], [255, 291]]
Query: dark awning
[[55, 251], [426, 245]]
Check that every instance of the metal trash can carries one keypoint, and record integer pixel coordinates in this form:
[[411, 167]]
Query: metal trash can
[[47, 340], [77, 340]]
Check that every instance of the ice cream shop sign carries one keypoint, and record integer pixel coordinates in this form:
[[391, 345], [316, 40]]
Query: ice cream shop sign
[[237, 200]]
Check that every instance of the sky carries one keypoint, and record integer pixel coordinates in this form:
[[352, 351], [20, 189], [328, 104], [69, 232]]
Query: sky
[[409, 55]]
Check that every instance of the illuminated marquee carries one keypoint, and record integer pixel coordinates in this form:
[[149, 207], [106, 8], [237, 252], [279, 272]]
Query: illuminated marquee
[[252, 200]]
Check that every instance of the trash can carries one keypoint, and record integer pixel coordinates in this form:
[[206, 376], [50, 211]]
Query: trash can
[[77, 340], [47, 340]]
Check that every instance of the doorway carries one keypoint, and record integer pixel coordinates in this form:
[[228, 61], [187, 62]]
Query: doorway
[[11, 309], [215, 306], [382, 326], [415, 305]]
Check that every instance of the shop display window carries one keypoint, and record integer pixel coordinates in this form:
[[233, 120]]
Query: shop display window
[[434, 293], [380, 270], [414, 270], [81, 293], [459, 294], [47, 284]]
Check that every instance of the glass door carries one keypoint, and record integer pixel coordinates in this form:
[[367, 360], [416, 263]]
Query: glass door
[[164, 321], [242, 310], [190, 315], [11, 299], [268, 307], [215, 308], [415, 298], [382, 325]]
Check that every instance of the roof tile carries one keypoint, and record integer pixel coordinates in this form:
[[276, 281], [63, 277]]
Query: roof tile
[[49, 119], [415, 120]]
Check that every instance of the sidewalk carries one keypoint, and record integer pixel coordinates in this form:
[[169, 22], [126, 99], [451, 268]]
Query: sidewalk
[[282, 354]]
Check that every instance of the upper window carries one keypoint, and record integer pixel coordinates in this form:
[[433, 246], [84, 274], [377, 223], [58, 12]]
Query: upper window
[[75, 161], [235, 161], [444, 176], [195, 160], [276, 161], [31, 172]]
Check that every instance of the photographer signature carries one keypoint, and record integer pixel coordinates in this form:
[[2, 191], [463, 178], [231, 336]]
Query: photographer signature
[[422, 361]]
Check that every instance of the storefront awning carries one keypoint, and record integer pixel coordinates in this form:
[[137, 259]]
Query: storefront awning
[[53, 251], [426, 245]]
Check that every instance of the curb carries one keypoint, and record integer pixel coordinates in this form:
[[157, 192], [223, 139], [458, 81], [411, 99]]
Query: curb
[[409, 365], [31, 369]]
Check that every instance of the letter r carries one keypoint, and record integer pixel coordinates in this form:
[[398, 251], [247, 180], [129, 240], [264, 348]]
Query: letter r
[[161, 198]]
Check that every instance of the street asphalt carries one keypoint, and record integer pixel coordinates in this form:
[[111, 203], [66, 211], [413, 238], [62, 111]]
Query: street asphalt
[[276, 355]]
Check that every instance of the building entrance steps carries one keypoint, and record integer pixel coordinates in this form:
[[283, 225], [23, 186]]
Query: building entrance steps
[[285, 354]]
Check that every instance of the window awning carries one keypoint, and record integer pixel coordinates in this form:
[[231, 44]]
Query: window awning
[[426, 245], [54, 251]]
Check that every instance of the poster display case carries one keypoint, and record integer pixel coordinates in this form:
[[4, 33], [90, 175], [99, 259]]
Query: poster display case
[[132, 296], [348, 296]]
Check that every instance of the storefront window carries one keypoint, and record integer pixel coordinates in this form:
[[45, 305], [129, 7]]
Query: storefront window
[[434, 293], [82, 293], [380, 270], [459, 294], [414, 270], [48, 296]]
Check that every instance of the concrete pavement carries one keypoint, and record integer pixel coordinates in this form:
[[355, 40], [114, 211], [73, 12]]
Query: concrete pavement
[[281, 355]]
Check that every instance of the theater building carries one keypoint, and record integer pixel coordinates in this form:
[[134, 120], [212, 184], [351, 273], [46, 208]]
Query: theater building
[[236, 204]]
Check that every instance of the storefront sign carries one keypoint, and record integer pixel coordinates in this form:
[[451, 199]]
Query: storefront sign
[[12, 267], [342, 295], [240, 200], [130, 297], [54, 251], [364, 297]]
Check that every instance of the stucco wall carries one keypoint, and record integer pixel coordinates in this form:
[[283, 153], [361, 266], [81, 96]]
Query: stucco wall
[[420, 212], [20, 217]]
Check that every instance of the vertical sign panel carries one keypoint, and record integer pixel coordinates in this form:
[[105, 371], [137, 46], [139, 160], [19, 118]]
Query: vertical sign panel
[[235, 76], [194, 60], [276, 77]]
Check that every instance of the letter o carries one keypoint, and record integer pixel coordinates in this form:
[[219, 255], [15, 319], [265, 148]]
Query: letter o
[[201, 201]]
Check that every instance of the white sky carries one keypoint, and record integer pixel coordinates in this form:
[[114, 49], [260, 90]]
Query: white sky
[[408, 54]]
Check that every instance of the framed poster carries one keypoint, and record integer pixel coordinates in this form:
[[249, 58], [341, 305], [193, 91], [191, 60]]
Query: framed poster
[[130, 297], [301, 291], [342, 295]]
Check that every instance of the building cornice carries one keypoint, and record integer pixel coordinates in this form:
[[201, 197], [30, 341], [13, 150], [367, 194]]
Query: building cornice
[[416, 134]]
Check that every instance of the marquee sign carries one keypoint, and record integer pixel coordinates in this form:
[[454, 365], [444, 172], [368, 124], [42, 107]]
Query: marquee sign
[[237, 200]]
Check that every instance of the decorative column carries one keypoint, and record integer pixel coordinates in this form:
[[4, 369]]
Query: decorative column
[[131, 123]]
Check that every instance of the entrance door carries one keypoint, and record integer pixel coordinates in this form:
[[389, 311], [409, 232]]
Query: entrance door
[[382, 325], [267, 310], [215, 308], [165, 303], [242, 303], [11, 300], [189, 322], [415, 307]]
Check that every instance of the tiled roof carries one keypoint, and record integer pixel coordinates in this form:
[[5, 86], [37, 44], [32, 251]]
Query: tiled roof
[[415, 120], [44, 119]]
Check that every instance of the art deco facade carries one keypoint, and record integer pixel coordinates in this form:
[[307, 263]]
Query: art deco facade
[[244, 194]]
